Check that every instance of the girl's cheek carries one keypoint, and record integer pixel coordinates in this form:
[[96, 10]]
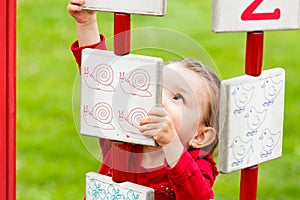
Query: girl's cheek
[[176, 118]]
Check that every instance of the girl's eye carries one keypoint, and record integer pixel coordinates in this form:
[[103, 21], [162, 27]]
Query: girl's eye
[[178, 98]]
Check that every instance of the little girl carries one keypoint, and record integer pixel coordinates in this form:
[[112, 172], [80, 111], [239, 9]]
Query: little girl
[[185, 127]]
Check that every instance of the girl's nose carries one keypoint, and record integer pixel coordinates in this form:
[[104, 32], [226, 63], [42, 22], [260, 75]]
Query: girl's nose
[[163, 102], [163, 99]]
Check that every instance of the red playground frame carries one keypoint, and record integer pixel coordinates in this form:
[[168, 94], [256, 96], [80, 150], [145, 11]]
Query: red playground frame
[[8, 100], [8, 97]]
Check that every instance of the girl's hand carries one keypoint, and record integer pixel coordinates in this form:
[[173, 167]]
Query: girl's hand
[[84, 17], [158, 125], [86, 23]]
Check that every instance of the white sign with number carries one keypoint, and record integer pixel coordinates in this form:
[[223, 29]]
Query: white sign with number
[[255, 15], [145, 7]]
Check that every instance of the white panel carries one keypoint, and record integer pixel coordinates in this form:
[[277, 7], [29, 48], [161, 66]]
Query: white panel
[[255, 15], [116, 92], [145, 7], [102, 187], [251, 120]]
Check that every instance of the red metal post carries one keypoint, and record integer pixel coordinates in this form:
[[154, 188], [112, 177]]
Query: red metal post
[[11, 99], [248, 186], [121, 33], [120, 161], [121, 47], [253, 67], [8, 100], [3, 117], [254, 53]]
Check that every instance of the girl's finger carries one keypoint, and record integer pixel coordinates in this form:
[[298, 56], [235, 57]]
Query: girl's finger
[[77, 2], [150, 133], [151, 119], [151, 126], [145, 120], [158, 111], [74, 8]]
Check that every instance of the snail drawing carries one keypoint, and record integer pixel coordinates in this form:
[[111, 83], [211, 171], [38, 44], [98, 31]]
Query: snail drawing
[[130, 124], [99, 117], [101, 78], [136, 83]]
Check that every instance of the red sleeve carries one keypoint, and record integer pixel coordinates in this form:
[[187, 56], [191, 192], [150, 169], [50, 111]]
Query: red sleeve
[[106, 165], [76, 50], [192, 179]]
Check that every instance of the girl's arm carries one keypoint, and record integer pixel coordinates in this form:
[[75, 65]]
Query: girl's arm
[[86, 23], [76, 48], [87, 29], [193, 179]]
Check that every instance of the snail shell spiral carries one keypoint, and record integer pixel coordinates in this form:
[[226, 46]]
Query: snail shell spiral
[[103, 74], [136, 115], [102, 112], [140, 79]]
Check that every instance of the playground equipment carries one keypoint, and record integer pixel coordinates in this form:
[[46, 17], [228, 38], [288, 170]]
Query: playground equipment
[[8, 100], [253, 17]]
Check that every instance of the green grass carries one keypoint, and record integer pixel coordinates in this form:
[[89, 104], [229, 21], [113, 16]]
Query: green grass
[[51, 158]]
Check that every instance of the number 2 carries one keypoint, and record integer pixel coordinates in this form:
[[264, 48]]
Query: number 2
[[249, 14]]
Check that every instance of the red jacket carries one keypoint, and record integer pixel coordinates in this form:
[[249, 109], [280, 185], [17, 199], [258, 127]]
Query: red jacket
[[191, 178]]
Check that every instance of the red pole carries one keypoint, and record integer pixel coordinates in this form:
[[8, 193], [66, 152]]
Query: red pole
[[8, 100], [121, 33], [253, 67], [254, 53], [248, 186], [3, 116], [120, 160], [11, 100]]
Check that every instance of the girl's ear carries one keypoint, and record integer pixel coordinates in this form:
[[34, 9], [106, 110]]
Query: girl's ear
[[203, 138]]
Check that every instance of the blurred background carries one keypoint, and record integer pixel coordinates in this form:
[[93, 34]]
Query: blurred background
[[51, 158]]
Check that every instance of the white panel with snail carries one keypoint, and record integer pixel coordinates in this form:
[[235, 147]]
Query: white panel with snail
[[116, 93]]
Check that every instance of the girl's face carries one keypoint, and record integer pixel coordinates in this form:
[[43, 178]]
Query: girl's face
[[184, 97]]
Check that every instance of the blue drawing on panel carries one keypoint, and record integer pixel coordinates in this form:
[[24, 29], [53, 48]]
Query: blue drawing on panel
[[269, 141], [95, 191], [242, 97], [271, 90], [254, 120], [131, 195], [113, 193], [240, 149]]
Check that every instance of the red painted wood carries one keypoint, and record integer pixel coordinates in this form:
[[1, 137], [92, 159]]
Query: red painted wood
[[121, 47], [3, 119], [253, 67], [121, 33], [120, 162], [11, 100], [8, 100], [248, 184], [254, 53]]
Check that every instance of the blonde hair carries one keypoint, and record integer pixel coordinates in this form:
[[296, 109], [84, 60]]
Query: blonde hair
[[211, 118]]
